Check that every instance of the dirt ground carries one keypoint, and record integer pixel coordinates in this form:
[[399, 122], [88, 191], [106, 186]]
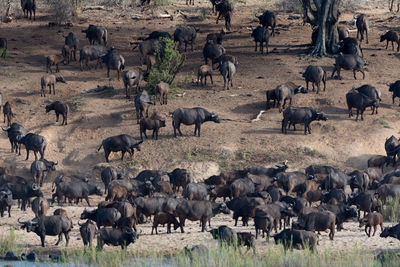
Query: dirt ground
[[234, 143]]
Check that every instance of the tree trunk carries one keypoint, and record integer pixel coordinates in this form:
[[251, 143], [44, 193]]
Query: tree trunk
[[326, 18]]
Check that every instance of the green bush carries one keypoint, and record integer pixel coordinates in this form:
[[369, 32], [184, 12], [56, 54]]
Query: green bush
[[167, 64], [8, 242], [391, 210]]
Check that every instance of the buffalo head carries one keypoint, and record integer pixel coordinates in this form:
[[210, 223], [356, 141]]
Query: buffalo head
[[223, 208], [28, 225], [214, 118], [320, 116]]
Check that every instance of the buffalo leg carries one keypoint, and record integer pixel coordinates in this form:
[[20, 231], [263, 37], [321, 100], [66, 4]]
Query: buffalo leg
[[59, 239], [42, 238], [57, 116], [27, 154], [256, 47], [374, 230], [123, 153], [87, 200], [181, 224], [387, 44]]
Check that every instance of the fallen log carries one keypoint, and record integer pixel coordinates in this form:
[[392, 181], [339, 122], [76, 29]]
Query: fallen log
[[93, 8]]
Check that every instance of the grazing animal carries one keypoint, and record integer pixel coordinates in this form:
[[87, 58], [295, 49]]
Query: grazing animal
[[8, 114], [271, 95], [76, 190], [34, 142], [372, 93], [304, 115], [29, 6], [164, 218], [88, 232], [224, 9], [61, 212], [185, 34], [393, 231], [215, 38], [227, 70], [373, 219], [124, 143], [72, 41], [40, 169], [162, 89], [317, 221], [53, 60], [3, 46], [142, 104], [392, 147], [362, 24], [315, 75], [202, 73], [107, 175], [268, 19], [13, 132], [349, 62], [151, 124], [286, 92], [351, 46], [96, 34], [116, 237], [131, 78], [212, 51], [201, 211], [395, 89], [66, 52], [59, 108], [50, 80], [55, 225], [300, 239], [102, 216], [40, 206], [179, 178], [113, 61], [190, 116], [358, 100], [391, 36], [90, 53], [343, 32], [261, 35], [5, 201]]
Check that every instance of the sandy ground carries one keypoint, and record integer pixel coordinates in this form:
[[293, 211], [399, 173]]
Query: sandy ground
[[234, 143]]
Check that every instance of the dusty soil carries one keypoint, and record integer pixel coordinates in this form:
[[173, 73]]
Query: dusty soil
[[234, 143]]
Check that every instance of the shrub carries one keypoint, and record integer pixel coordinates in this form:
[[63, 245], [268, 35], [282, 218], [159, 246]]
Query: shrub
[[391, 210], [167, 64], [289, 6], [63, 10], [8, 242]]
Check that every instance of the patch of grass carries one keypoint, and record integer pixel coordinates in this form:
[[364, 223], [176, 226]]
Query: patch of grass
[[383, 122], [199, 154], [8, 242], [224, 256], [203, 15], [391, 210], [76, 103], [309, 152]]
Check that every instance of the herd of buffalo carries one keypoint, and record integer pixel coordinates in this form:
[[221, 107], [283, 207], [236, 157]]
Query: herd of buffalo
[[272, 197]]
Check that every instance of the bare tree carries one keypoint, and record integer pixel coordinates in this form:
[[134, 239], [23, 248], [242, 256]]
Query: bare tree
[[391, 2], [324, 15]]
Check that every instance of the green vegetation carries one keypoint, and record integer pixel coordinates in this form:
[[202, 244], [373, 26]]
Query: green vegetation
[[223, 256], [167, 64], [310, 152], [203, 14], [8, 242], [383, 122], [391, 210]]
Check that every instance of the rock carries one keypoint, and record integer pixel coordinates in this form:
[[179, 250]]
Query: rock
[[227, 152], [201, 170], [11, 256], [31, 256]]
